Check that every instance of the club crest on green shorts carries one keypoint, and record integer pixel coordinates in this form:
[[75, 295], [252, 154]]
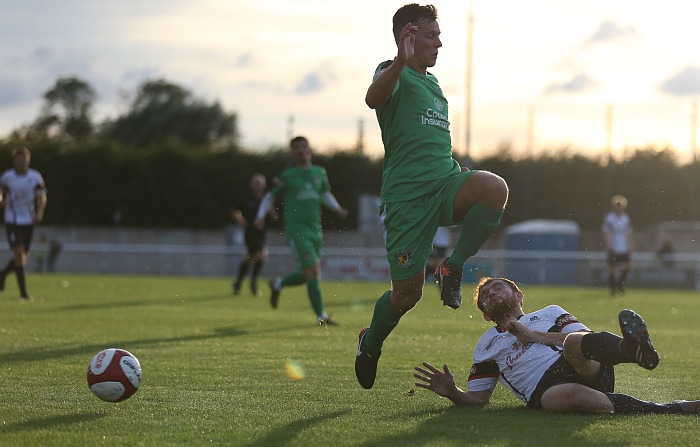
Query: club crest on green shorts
[[405, 258]]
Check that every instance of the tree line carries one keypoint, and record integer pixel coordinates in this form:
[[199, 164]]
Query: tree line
[[174, 161]]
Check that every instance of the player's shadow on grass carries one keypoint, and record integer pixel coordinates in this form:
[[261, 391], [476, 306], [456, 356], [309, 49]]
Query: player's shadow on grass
[[511, 426], [49, 422], [352, 302], [53, 352], [98, 305], [290, 432]]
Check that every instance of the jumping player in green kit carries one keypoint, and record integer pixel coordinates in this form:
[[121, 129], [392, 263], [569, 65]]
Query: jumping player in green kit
[[303, 188], [423, 187]]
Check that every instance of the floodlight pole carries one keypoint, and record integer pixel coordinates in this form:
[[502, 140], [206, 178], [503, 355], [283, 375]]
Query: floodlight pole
[[530, 164], [468, 99], [693, 130], [290, 128], [360, 137], [608, 152], [695, 166]]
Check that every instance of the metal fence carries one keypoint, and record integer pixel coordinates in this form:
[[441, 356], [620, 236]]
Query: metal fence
[[680, 270]]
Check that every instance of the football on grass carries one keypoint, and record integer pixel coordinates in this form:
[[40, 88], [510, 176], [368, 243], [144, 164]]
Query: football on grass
[[114, 375]]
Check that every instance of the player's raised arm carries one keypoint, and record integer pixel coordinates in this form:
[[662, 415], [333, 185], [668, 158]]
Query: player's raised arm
[[383, 85]]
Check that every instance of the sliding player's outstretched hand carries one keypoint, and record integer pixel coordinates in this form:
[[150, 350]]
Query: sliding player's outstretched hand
[[440, 382]]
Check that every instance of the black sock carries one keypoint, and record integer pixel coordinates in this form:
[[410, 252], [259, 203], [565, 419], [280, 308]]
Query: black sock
[[623, 276], [19, 271], [242, 270], [605, 348], [9, 267], [611, 281], [625, 404], [256, 270]]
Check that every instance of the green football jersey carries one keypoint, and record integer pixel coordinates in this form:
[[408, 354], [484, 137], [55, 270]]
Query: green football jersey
[[301, 190], [416, 135]]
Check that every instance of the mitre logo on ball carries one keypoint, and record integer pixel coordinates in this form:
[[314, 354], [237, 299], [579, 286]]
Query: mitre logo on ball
[[114, 375]]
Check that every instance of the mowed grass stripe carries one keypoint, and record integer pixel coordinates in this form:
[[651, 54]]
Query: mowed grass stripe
[[214, 367]]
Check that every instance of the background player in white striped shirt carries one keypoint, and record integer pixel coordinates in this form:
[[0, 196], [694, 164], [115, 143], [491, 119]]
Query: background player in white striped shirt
[[549, 359], [24, 200]]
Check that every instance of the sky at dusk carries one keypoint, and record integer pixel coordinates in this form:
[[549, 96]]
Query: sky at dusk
[[587, 75]]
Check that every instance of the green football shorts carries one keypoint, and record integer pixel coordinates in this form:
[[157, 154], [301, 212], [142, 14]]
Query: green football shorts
[[306, 248], [409, 227]]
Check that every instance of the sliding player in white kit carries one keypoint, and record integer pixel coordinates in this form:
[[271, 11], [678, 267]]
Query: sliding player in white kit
[[550, 360], [24, 200]]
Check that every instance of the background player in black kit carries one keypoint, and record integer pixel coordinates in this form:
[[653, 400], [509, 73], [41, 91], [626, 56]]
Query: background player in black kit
[[244, 215]]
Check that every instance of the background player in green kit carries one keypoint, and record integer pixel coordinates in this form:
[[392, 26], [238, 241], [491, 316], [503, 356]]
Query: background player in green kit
[[423, 187], [303, 188]]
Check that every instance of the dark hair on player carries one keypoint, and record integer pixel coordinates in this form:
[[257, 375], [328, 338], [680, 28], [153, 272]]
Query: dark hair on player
[[486, 280], [298, 139], [412, 13]]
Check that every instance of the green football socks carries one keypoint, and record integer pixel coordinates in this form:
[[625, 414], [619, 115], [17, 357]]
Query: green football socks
[[293, 279], [477, 227], [384, 321], [315, 296], [312, 287]]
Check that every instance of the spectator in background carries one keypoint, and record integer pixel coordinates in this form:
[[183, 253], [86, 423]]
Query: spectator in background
[[617, 236], [47, 262], [55, 248], [665, 252]]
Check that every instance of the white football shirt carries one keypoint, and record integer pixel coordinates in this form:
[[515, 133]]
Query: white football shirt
[[443, 237], [500, 357], [616, 229], [19, 194]]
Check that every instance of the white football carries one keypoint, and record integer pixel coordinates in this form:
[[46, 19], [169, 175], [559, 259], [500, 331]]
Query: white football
[[114, 375]]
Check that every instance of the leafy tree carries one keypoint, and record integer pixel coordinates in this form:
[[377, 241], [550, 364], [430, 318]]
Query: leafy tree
[[66, 111], [162, 111]]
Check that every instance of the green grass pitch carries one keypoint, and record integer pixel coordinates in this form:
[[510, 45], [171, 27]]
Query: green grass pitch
[[214, 368]]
